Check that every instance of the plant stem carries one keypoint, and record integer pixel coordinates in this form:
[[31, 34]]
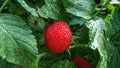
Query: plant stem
[[3, 5], [69, 53], [41, 55], [96, 13]]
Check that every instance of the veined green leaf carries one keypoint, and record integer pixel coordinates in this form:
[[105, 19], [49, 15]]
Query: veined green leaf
[[52, 9], [5, 64], [116, 38], [80, 8], [28, 8], [77, 21], [17, 45], [95, 27], [109, 54], [114, 20]]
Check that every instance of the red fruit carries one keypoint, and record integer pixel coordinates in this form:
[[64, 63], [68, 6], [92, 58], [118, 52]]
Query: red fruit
[[81, 62], [58, 36]]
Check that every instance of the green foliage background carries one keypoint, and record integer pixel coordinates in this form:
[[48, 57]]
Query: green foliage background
[[95, 25]]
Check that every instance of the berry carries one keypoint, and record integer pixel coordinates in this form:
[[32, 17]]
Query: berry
[[81, 62], [58, 36]]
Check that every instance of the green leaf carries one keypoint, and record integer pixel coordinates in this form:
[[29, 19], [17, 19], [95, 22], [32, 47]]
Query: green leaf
[[116, 39], [109, 55], [52, 9], [17, 45], [76, 21], [36, 23], [28, 8], [38, 26], [80, 8], [5, 64], [114, 20], [94, 26], [119, 49], [63, 64]]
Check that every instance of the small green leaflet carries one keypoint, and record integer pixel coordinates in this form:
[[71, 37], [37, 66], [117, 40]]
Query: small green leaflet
[[17, 44], [109, 54]]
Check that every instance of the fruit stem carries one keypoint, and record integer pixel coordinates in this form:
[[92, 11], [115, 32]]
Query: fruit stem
[[41, 55], [69, 53], [78, 45], [3, 5]]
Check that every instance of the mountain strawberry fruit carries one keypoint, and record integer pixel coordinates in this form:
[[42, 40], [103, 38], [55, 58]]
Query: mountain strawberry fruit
[[81, 62], [58, 36]]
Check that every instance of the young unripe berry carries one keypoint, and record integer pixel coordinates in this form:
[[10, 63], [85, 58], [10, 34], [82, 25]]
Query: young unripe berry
[[81, 62], [58, 36]]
